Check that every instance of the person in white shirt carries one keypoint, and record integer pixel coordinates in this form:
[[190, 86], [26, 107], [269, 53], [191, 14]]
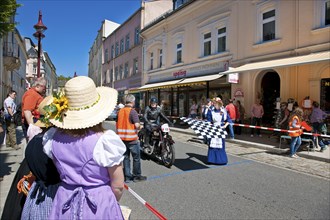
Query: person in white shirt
[[9, 111]]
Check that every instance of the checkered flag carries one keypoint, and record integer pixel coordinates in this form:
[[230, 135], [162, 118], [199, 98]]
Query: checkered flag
[[205, 128]]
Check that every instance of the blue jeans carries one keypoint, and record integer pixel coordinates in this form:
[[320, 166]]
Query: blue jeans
[[231, 130], [294, 145], [133, 149]]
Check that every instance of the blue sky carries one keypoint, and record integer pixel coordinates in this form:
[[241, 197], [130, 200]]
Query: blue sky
[[72, 27]]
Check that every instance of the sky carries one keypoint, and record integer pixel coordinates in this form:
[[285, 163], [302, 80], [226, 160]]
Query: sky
[[72, 27]]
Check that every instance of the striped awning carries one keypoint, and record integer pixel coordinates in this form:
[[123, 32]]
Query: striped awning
[[285, 62]]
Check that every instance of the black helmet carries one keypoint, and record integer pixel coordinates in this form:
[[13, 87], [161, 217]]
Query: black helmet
[[153, 100]]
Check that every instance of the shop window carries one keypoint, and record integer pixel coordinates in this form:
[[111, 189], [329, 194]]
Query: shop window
[[325, 95], [268, 25], [207, 44], [179, 53], [222, 40]]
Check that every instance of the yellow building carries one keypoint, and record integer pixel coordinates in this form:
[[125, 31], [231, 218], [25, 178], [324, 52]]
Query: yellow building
[[238, 49]]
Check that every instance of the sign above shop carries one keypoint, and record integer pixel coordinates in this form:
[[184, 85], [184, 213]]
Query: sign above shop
[[233, 78], [180, 74]]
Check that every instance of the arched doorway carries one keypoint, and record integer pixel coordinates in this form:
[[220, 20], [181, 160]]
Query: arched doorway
[[270, 87]]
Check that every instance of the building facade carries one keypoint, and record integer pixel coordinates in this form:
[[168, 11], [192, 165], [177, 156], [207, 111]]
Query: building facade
[[96, 52], [13, 67], [238, 49], [122, 66]]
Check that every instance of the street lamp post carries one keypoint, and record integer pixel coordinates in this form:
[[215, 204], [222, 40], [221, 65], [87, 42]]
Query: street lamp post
[[40, 28]]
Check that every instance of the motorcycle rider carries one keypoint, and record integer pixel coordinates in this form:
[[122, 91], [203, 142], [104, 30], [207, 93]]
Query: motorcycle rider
[[152, 117]]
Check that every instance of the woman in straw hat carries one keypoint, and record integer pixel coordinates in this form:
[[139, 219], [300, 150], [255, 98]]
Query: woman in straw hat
[[88, 158], [218, 116]]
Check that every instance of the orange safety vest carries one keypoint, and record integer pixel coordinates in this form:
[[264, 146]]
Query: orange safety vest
[[298, 130], [125, 129]]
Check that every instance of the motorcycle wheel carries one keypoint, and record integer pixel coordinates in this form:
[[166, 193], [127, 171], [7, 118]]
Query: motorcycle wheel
[[148, 150], [168, 157]]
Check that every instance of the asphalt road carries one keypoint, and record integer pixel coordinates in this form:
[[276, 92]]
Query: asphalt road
[[246, 188]]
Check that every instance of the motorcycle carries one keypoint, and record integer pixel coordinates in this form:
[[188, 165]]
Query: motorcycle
[[161, 144]]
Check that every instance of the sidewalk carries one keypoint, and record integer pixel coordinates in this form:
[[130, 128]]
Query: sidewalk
[[10, 160], [267, 143]]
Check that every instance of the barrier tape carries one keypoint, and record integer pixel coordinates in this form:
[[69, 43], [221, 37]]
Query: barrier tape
[[152, 209], [280, 130]]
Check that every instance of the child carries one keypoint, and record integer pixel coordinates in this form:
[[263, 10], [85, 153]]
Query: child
[[88, 158], [295, 125]]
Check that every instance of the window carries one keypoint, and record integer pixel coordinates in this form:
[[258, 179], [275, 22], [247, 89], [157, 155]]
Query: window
[[137, 36], [121, 72], [116, 73], [179, 53], [34, 68], [207, 44], [121, 46], [127, 42], [268, 25], [222, 40], [111, 75], [105, 77], [126, 70], [160, 58], [178, 3], [327, 13], [117, 49], [106, 55], [112, 51], [136, 66], [151, 61]]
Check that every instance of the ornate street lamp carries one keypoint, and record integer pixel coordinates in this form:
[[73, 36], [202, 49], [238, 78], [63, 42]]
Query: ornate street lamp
[[40, 28]]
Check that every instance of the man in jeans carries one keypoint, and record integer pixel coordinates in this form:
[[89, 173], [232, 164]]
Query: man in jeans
[[9, 111], [127, 125]]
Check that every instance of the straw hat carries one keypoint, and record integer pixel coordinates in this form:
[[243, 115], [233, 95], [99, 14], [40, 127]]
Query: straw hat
[[46, 101], [87, 105]]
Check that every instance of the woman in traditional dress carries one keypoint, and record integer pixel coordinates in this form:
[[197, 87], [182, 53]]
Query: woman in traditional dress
[[218, 116], [87, 157]]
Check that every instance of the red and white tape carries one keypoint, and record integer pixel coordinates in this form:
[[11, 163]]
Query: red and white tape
[[280, 130], [152, 209]]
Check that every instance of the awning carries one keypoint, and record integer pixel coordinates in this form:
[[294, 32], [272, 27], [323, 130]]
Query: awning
[[200, 80], [291, 61], [160, 85]]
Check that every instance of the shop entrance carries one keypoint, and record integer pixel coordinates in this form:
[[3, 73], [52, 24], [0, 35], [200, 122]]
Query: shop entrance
[[270, 87]]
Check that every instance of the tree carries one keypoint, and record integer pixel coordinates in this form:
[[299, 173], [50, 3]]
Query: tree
[[7, 12]]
